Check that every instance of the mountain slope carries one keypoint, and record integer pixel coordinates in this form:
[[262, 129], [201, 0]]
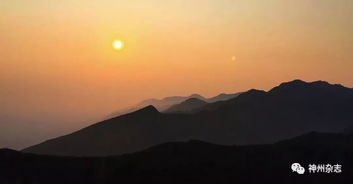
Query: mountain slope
[[160, 104], [109, 137], [254, 117], [192, 105], [167, 102], [222, 97], [288, 110], [186, 106], [191, 162]]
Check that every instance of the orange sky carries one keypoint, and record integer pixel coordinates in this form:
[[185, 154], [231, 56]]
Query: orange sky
[[57, 64]]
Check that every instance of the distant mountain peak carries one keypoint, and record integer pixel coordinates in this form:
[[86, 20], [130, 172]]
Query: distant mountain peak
[[299, 84], [252, 93], [187, 106], [193, 100], [320, 82], [222, 94], [294, 83], [195, 95], [297, 81], [222, 97], [255, 91], [150, 109]]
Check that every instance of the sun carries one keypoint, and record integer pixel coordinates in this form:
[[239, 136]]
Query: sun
[[118, 44]]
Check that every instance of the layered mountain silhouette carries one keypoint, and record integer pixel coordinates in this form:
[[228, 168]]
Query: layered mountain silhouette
[[254, 117], [222, 97], [196, 104], [186, 106], [190, 162], [160, 104], [167, 102]]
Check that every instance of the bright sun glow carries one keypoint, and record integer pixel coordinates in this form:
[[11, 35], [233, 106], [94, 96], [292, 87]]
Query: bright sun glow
[[118, 44]]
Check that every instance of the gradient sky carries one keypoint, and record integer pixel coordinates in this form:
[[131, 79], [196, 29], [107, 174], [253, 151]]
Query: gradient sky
[[58, 71]]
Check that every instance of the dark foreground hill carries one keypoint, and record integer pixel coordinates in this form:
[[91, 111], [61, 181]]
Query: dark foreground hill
[[190, 162], [254, 117]]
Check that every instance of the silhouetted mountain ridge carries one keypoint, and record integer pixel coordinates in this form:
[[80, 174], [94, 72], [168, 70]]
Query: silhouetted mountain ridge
[[186, 106], [222, 97], [254, 117], [190, 162], [146, 110], [165, 103]]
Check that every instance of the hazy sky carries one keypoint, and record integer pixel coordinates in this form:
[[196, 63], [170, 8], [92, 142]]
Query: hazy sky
[[58, 68]]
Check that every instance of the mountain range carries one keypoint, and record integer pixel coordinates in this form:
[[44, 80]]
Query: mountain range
[[167, 102], [186, 106], [254, 117], [193, 161]]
